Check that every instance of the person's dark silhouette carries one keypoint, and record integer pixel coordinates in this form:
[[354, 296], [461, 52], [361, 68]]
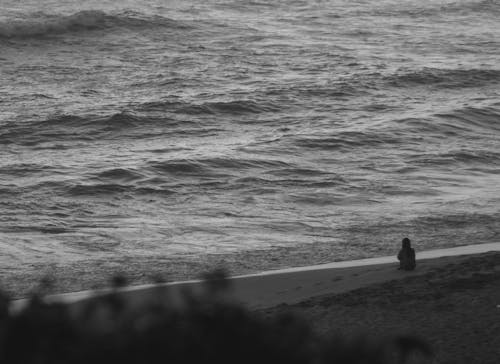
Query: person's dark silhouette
[[406, 256]]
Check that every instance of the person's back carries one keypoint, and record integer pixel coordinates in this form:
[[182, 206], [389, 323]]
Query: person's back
[[406, 256]]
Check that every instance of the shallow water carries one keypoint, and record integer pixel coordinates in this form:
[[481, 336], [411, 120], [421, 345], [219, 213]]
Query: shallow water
[[281, 133]]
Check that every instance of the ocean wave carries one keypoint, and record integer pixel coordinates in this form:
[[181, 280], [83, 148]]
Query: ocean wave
[[88, 20], [427, 126], [97, 189], [467, 158], [32, 133], [234, 107], [469, 122], [484, 119], [239, 164], [212, 167], [445, 78], [483, 6], [117, 121], [107, 183], [37, 228], [65, 128], [488, 157], [127, 120], [309, 172], [23, 169], [121, 174], [74, 127], [347, 140], [63, 120], [355, 86], [487, 7], [179, 167], [108, 189], [319, 199], [273, 184], [230, 107]]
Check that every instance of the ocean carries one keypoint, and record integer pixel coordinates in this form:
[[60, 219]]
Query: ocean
[[168, 137]]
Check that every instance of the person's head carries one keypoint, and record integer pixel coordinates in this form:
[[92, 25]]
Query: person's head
[[406, 243]]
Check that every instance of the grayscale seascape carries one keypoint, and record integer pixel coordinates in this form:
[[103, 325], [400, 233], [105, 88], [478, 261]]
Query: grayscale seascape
[[140, 134]]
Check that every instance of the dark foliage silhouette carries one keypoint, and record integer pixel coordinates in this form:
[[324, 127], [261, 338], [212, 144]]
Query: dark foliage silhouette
[[205, 328]]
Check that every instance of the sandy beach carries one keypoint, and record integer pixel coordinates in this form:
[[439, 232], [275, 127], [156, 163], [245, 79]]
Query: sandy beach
[[454, 305], [293, 285], [452, 299]]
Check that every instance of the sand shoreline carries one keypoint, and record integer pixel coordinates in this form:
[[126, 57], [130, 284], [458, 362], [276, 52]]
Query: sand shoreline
[[452, 302], [293, 285]]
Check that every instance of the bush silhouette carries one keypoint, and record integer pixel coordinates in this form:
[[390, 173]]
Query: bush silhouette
[[204, 329]]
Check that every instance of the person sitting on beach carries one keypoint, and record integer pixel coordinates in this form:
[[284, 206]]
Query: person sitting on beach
[[406, 256]]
